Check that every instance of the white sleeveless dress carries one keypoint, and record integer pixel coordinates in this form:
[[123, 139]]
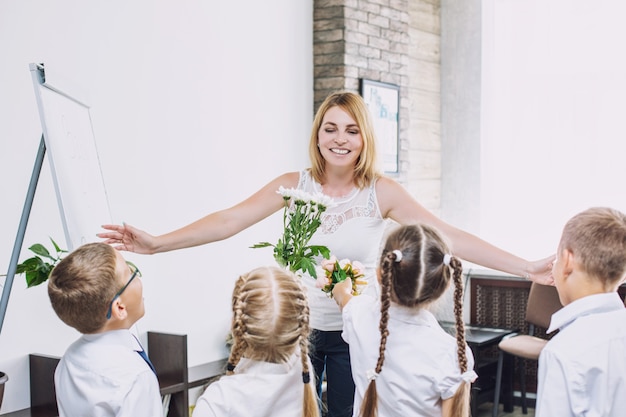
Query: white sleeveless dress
[[352, 228]]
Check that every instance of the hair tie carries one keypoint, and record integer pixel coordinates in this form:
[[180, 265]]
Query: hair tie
[[306, 377], [398, 255], [230, 367], [371, 375], [446, 259], [469, 376]]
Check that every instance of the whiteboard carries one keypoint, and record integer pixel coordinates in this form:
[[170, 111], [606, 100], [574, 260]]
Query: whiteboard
[[73, 158]]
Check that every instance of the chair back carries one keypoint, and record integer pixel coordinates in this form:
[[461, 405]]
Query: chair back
[[543, 301]]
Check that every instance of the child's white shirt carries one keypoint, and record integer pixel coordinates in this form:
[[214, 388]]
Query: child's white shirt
[[102, 375], [420, 368], [257, 389], [582, 369]]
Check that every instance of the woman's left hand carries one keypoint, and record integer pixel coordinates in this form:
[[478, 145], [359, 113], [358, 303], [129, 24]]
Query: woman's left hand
[[541, 271]]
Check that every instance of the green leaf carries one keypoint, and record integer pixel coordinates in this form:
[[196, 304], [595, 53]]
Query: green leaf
[[320, 250], [36, 271], [306, 265], [57, 248], [339, 274], [34, 278], [20, 268], [261, 245], [40, 250], [31, 278], [30, 264]]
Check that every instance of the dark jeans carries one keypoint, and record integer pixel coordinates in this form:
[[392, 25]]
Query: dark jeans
[[330, 355]]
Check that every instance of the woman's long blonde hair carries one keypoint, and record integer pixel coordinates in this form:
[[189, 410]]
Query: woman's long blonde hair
[[366, 169]]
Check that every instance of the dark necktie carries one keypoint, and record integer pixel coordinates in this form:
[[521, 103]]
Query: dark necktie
[[142, 353]]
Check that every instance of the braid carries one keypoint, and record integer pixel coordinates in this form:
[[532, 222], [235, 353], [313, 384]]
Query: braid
[[310, 404], [385, 302], [461, 399], [238, 327], [369, 407], [304, 335], [458, 312]]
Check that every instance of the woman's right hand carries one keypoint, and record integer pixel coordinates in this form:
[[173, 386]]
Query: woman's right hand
[[128, 238]]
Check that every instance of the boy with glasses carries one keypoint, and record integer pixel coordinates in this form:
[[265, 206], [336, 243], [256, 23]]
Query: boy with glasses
[[105, 372]]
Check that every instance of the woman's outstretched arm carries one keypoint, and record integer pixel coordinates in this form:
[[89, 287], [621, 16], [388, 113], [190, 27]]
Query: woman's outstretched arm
[[397, 204], [216, 226]]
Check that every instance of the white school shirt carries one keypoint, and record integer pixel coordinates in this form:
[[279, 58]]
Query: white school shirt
[[256, 389], [102, 375], [582, 369], [351, 228], [421, 366]]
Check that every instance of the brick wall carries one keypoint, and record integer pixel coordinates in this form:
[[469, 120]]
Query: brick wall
[[392, 41]]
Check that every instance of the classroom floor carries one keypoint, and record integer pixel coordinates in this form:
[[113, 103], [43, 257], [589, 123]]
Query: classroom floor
[[485, 410]]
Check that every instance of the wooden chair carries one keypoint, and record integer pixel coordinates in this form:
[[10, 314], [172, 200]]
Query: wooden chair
[[543, 301]]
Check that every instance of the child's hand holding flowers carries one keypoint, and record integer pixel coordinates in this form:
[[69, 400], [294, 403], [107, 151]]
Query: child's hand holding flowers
[[333, 271], [341, 290]]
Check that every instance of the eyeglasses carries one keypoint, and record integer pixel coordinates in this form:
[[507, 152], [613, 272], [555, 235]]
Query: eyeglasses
[[136, 272]]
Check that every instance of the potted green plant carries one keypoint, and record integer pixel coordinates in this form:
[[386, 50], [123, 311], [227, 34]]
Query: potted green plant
[[36, 270], [3, 379]]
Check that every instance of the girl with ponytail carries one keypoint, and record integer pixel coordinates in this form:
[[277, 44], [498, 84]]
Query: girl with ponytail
[[403, 362], [269, 372]]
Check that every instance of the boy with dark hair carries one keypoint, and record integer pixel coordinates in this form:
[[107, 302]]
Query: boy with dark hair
[[105, 372], [582, 368]]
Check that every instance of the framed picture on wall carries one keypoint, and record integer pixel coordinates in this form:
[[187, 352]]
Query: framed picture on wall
[[383, 101]]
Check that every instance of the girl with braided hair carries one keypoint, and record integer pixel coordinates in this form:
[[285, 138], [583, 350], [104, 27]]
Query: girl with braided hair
[[269, 371], [408, 365]]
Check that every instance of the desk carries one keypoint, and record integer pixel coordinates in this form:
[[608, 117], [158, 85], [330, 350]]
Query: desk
[[42, 394], [500, 301], [168, 353], [479, 338]]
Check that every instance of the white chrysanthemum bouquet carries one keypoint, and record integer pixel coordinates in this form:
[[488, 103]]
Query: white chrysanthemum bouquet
[[301, 218]]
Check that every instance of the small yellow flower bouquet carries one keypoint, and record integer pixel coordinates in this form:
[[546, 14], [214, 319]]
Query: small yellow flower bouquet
[[333, 271]]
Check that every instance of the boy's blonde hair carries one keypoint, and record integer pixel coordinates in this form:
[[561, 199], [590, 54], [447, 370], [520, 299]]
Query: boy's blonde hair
[[366, 169], [597, 238], [82, 285], [270, 320]]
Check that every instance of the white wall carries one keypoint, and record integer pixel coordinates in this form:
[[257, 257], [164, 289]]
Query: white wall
[[542, 107], [195, 105], [554, 82]]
